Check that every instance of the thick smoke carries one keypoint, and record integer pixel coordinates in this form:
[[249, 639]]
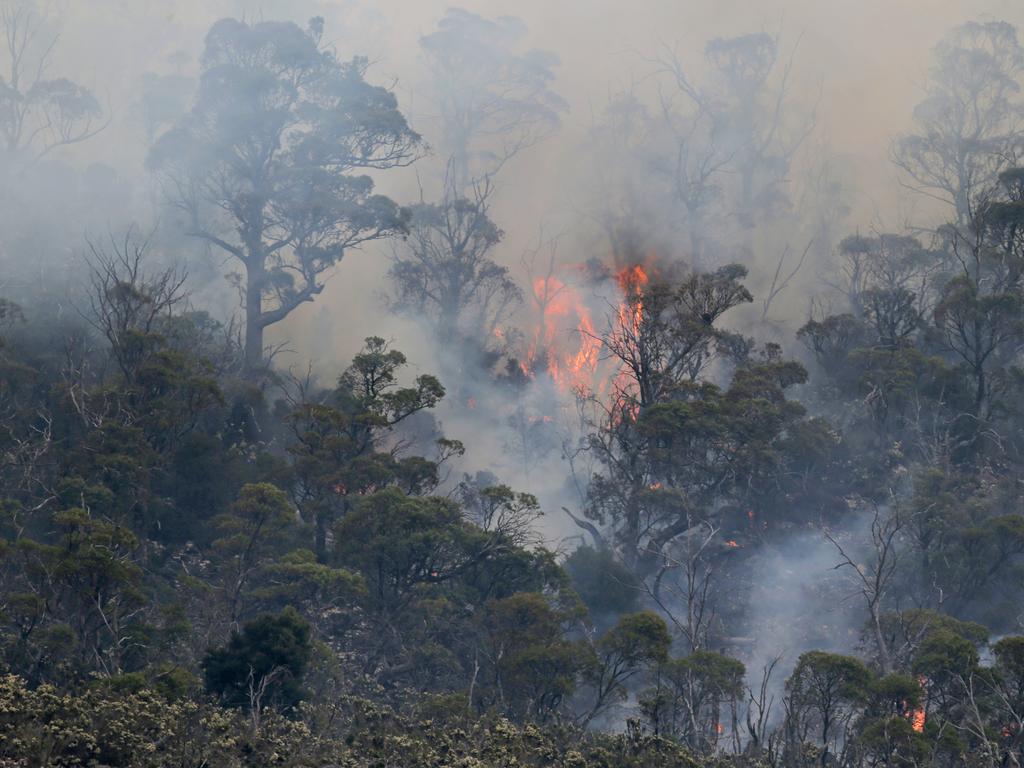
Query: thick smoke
[[801, 601]]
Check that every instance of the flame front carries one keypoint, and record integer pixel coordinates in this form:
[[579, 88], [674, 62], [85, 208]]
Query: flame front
[[565, 321], [632, 282], [560, 305], [632, 279]]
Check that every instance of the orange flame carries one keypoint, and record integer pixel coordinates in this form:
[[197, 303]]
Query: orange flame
[[564, 314], [917, 718], [558, 303], [632, 279], [731, 543], [917, 715]]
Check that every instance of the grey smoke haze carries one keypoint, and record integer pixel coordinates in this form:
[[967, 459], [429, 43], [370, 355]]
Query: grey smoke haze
[[868, 59], [800, 601]]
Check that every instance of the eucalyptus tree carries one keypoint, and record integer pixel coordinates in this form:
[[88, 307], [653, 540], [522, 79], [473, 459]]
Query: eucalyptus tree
[[38, 113], [728, 140], [271, 165], [968, 126]]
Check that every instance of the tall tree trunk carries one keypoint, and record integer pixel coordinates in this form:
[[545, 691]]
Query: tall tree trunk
[[322, 524], [884, 658], [980, 390], [253, 316]]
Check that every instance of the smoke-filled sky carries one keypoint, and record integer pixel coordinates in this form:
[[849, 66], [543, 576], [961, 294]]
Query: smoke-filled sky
[[870, 55], [867, 57], [861, 62], [858, 64]]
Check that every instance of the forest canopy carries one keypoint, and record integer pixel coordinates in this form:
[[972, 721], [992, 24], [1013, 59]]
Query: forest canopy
[[714, 471]]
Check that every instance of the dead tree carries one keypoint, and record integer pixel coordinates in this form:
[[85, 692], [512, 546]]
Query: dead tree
[[126, 302], [874, 579]]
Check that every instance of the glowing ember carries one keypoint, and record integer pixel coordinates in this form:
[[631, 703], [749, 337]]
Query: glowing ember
[[731, 543]]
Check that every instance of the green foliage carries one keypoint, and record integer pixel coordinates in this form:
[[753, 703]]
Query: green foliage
[[337, 445], [637, 639], [824, 689], [602, 582], [824, 679], [142, 730], [896, 694], [298, 579], [263, 665], [399, 542], [689, 697], [536, 666], [636, 642], [893, 741]]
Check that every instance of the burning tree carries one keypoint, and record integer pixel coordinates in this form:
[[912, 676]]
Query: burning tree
[[563, 318], [662, 336], [683, 461], [492, 101]]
